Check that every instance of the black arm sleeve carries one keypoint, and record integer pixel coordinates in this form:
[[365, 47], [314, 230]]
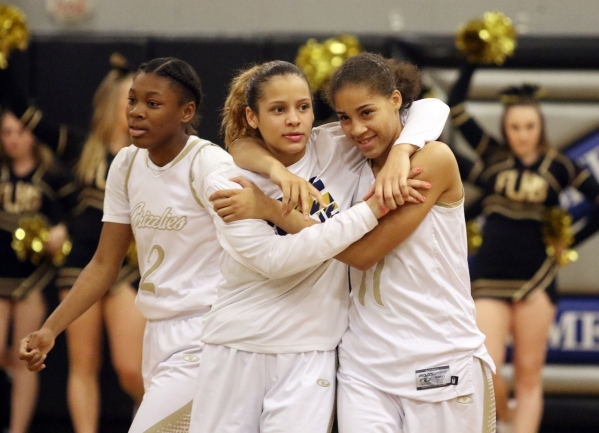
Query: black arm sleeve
[[482, 143]]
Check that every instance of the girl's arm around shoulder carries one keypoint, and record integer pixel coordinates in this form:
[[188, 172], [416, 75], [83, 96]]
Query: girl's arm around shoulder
[[93, 283], [249, 153], [424, 122], [439, 164]]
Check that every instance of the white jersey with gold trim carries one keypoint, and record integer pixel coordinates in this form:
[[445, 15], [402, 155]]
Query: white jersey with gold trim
[[175, 237], [281, 293], [412, 321]]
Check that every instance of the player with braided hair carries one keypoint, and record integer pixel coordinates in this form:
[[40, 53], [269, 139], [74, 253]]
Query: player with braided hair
[[150, 197]]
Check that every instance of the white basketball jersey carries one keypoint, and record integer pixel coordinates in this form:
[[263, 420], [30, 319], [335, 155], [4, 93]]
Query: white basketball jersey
[[176, 239], [280, 293], [412, 328]]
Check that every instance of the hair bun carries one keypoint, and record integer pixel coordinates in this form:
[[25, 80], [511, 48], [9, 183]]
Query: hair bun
[[516, 94], [119, 63]]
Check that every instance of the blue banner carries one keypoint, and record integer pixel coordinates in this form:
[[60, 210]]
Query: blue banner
[[584, 152], [574, 336]]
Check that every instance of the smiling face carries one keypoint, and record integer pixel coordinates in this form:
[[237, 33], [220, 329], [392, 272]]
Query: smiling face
[[284, 117], [17, 141], [370, 120], [523, 127], [155, 114]]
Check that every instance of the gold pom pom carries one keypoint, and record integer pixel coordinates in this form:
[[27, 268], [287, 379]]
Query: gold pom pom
[[475, 236], [558, 236], [30, 238], [487, 40], [319, 61], [13, 32], [131, 256]]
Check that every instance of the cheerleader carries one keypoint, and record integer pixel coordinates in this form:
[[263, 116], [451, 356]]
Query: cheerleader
[[90, 158], [31, 185], [513, 277]]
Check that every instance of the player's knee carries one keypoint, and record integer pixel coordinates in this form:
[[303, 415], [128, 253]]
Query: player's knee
[[130, 380]]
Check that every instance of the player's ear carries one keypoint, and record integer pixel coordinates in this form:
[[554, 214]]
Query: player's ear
[[251, 117], [188, 111]]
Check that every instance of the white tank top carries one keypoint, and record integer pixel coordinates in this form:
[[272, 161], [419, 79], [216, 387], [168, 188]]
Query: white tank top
[[412, 328]]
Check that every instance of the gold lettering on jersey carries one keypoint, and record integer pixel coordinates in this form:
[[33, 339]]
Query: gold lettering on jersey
[[532, 188], [141, 218], [21, 197]]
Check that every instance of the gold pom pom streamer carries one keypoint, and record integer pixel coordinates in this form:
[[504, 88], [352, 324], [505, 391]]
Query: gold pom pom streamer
[[30, 238], [558, 236], [487, 40], [319, 61], [13, 32]]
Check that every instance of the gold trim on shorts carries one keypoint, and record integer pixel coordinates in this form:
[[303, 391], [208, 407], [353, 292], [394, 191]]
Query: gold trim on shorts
[[177, 422], [489, 407]]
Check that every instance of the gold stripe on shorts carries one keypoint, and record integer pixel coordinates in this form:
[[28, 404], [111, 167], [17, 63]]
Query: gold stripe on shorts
[[516, 290], [177, 422], [20, 288], [489, 414]]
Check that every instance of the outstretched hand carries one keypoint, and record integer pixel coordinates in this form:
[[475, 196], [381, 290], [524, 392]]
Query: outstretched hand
[[296, 190], [34, 348]]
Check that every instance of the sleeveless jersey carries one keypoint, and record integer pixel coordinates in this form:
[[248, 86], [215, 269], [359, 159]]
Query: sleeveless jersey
[[412, 328], [176, 240]]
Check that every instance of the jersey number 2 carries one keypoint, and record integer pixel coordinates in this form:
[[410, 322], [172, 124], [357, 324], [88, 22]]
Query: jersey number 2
[[147, 286]]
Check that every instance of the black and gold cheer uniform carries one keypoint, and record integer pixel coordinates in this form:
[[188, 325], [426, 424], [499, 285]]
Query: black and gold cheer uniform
[[46, 191], [512, 262], [67, 142], [85, 229]]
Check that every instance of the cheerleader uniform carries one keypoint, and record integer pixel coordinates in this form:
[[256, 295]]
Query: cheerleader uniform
[[85, 225], [512, 263], [85, 228], [45, 191]]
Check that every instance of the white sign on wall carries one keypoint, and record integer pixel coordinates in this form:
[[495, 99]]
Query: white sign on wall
[[69, 11]]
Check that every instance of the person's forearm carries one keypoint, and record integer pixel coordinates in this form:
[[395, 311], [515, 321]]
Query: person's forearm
[[247, 153], [292, 223], [424, 122], [459, 91], [93, 283]]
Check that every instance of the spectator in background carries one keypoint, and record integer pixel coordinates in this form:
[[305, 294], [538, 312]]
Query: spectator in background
[[90, 158], [513, 277], [31, 185]]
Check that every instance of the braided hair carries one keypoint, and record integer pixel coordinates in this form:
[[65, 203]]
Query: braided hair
[[182, 76]]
